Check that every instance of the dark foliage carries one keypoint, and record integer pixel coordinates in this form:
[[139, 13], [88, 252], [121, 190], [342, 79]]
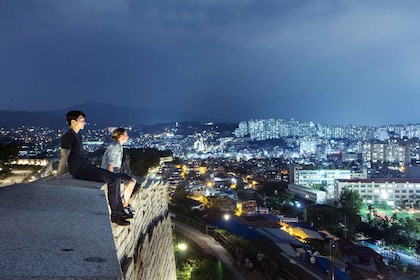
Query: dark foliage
[[8, 153], [142, 159]]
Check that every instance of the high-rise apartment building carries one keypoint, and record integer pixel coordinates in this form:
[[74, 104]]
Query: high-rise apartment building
[[390, 151]]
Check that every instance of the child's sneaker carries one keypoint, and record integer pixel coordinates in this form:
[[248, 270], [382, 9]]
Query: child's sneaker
[[128, 213]]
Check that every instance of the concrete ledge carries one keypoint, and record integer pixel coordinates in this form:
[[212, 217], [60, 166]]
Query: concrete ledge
[[68, 180], [56, 229]]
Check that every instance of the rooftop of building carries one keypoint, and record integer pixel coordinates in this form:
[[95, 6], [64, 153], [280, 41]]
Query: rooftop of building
[[382, 180]]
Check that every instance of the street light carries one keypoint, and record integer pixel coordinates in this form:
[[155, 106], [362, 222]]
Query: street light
[[182, 247], [226, 216]]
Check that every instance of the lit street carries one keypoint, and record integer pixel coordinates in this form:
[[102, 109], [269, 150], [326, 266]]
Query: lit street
[[211, 246]]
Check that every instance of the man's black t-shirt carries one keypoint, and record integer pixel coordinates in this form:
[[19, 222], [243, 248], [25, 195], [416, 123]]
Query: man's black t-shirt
[[77, 158]]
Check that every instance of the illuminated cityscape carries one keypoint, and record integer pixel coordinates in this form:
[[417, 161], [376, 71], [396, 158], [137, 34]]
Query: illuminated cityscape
[[317, 162], [349, 152], [285, 127]]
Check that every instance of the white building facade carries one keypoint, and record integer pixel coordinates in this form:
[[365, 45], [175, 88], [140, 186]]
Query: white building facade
[[320, 177], [392, 192], [310, 194]]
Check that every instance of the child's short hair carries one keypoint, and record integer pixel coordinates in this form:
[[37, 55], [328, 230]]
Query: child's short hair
[[117, 133]]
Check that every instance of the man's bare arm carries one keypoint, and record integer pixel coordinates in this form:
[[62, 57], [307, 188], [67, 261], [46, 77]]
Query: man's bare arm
[[63, 161]]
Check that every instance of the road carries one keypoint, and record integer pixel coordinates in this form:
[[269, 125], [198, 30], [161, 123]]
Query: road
[[211, 246]]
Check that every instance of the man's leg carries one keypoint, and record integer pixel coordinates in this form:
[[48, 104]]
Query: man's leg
[[93, 173]]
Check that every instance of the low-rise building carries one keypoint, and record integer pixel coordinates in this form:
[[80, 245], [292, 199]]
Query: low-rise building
[[307, 193], [389, 191]]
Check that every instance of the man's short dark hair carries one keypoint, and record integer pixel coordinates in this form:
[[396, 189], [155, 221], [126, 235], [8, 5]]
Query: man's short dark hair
[[73, 115]]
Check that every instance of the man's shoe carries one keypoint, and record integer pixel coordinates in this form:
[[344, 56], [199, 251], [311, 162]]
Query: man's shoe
[[119, 220]]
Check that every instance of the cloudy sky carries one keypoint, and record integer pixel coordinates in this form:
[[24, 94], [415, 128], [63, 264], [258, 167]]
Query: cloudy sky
[[329, 61]]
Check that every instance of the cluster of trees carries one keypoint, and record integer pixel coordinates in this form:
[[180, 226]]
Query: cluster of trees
[[394, 229], [327, 217], [340, 219], [8, 153], [140, 159], [273, 195], [143, 159], [344, 219]]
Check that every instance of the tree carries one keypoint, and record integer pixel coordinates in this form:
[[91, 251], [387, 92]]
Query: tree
[[274, 188], [8, 153], [222, 204], [408, 231], [242, 195], [369, 215], [351, 203], [326, 217]]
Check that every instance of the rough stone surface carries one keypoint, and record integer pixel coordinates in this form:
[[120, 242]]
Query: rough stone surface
[[145, 247]]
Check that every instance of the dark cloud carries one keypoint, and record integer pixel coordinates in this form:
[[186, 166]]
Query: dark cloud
[[328, 61]]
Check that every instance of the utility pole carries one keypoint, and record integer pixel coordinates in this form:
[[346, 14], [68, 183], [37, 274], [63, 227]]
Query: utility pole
[[332, 246], [345, 229]]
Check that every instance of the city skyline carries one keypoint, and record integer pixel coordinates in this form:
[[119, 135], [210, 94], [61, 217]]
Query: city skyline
[[136, 116], [333, 62]]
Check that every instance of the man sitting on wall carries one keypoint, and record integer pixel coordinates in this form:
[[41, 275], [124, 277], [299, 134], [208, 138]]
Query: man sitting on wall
[[73, 155]]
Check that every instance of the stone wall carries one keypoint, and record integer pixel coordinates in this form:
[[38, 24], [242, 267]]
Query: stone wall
[[145, 248], [61, 229]]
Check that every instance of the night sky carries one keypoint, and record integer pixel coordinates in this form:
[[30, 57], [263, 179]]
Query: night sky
[[335, 62]]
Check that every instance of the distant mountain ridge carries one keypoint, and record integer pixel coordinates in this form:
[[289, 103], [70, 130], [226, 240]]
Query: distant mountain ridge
[[100, 114]]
